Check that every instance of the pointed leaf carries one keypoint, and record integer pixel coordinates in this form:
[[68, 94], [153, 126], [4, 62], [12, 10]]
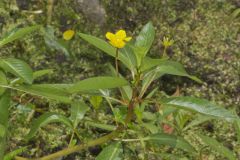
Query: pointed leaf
[[201, 106], [149, 63], [50, 91], [78, 110], [170, 67], [17, 68], [17, 33], [41, 73], [171, 140], [215, 145], [45, 119], [97, 83], [144, 41], [107, 48], [110, 152]]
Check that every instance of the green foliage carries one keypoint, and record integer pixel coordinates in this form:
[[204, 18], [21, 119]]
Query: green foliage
[[4, 107], [17, 68], [111, 152], [201, 106], [17, 33], [136, 94], [97, 83], [46, 119], [171, 140], [215, 145], [144, 42]]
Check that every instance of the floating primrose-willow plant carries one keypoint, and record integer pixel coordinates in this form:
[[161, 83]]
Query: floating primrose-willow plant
[[137, 114]]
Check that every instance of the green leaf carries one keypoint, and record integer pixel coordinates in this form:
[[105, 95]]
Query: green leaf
[[45, 119], [96, 101], [4, 113], [172, 68], [50, 91], [18, 68], [215, 145], [171, 140], [111, 152], [78, 110], [3, 80], [149, 63], [144, 41], [101, 126], [53, 42], [197, 121], [107, 48], [200, 106], [97, 83], [41, 73], [17, 33], [12, 154]]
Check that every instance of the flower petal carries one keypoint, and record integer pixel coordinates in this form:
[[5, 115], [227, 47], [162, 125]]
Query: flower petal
[[110, 35], [128, 39], [67, 35], [121, 34]]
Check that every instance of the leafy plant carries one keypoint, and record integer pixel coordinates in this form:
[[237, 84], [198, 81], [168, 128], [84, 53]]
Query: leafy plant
[[130, 99]]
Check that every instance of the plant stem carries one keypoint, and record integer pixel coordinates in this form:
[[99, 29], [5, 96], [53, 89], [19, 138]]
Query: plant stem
[[116, 62], [78, 148], [49, 11]]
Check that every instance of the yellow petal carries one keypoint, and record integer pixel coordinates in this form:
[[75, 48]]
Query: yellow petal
[[121, 44], [121, 34], [110, 35], [128, 39], [68, 34]]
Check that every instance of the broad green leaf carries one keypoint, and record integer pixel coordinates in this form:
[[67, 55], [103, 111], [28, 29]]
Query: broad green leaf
[[144, 41], [17, 33], [53, 42], [111, 152], [50, 91], [96, 101], [45, 119], [149, 63], [18, 68], [3, 80], [4, 113], [172, 68], [36, 75], [78, 110], [215, 145], [101, 126], [97, 83], [170, 140], [107, 48], [128, 52], [12, 154], [200, 106], [41, 73]]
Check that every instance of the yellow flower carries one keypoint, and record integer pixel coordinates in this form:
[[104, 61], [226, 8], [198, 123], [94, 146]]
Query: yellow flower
[[68, 34], [167, 42], [118, 39]]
